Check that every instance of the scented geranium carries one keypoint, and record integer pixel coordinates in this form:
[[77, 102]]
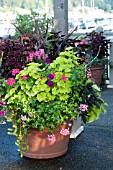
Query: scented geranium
[[15, 71], [11, 81]]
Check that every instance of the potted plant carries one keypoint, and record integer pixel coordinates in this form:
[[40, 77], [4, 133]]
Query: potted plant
[[45, 91], [45, 95], [94, 50]]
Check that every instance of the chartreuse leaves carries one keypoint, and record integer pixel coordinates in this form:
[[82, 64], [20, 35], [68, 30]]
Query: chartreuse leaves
[[95, 113]]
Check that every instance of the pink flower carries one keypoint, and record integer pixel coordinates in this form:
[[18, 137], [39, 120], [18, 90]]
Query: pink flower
[[31, 56], [23, 118], [65, 132], [25, 77], [89, 75], [54, 74], [51, 138], [36, 35], [64, 78], [39, 54], [11, 81], [41, 51], [46, 56], [15, 71], [84, 41], [2, 113], [83, 107], [2, 103]]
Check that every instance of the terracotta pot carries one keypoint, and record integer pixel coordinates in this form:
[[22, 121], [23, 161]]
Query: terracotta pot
[[43, 146], [97, 73]]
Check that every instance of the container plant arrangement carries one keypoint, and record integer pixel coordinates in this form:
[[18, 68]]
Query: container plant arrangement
[[45, 91], [94, 50], [44, 96]]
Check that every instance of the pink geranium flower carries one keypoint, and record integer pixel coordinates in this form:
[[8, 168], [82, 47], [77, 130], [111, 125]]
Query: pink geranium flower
[[41, 51], [15, 71], [83, 107], [84, 41], [23, 118], [2, 113], [51, 138], [31, 56], [46, 56], [65, 132], [25, 77], [2, 103], [89, 75], [39, 54], [64, 78], [11, 81], [54, 74]]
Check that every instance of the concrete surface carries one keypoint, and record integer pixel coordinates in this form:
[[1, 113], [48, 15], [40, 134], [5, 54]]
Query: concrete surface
[[91, 150]]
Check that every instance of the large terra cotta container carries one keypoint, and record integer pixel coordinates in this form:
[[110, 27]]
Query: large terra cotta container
[[97, 73], [42, 148]]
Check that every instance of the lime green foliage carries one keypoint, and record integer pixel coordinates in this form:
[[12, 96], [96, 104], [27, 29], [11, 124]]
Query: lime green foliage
[[34, 103]]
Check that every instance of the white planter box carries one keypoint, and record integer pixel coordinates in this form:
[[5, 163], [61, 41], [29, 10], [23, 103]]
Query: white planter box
[[77, 128]]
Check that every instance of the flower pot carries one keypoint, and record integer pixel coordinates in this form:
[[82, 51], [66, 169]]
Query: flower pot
[[44, 145], [97, 73]]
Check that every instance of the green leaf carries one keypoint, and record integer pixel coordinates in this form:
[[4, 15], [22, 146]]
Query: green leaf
[[41, 96], [54, 91], [63, 97], [12, 91], [28, 86], [96, 87]]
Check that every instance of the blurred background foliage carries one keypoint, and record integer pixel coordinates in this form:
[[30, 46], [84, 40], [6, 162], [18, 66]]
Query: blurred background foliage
[[106, 5]]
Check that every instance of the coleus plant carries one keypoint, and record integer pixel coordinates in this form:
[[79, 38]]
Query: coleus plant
[[18, 52], [94, 47]]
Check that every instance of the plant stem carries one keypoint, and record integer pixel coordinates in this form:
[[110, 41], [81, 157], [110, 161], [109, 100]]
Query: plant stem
[[89, 64]]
